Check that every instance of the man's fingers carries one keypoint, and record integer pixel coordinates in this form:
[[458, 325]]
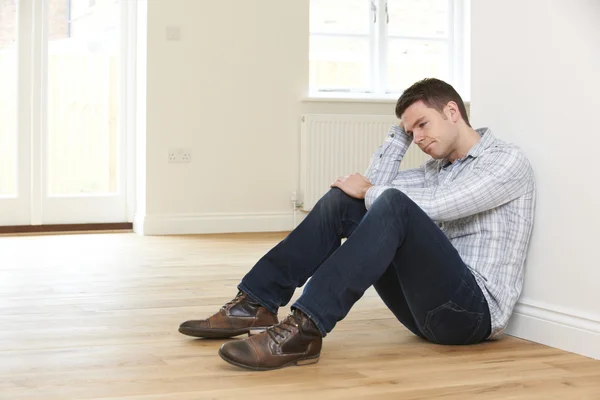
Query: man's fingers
[[338, 182]]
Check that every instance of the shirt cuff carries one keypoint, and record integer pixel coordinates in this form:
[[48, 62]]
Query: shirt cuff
[[373, 193], [400, 137]]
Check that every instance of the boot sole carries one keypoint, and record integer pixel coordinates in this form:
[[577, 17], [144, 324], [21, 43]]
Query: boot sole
[[219, 333], [299, 362]]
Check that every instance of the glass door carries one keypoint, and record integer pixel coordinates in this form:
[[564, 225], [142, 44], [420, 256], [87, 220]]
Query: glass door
[[82, 142], [14, 155], [63, 142]]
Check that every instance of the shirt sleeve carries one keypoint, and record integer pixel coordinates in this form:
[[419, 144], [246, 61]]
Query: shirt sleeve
[[496, 178], [414, 177], [385, 162]]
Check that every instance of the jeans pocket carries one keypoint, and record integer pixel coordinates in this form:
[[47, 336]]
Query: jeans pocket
[[451, 324]]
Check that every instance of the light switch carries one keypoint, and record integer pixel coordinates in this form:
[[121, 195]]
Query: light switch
[[173, 33]]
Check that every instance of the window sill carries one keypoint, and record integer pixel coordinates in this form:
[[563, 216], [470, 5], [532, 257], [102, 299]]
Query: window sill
[[337, 98]]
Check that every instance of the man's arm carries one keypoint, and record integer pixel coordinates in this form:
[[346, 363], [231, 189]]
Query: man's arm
[[385, 161], [383, 168], [497, 178]]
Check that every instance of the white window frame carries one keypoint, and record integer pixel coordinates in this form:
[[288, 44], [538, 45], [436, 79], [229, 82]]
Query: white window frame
[[458, 41]]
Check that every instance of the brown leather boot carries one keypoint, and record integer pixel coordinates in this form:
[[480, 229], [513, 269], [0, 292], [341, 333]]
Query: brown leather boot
[[294, 341], [237, 317]]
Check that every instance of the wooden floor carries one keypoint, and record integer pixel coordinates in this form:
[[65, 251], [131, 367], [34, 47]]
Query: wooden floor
[[96, 317]]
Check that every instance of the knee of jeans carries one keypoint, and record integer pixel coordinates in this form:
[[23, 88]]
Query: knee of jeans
[[389, 201], [336, 197], [392, 196]]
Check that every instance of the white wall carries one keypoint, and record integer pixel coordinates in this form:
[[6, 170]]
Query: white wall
[[231, 91], [536, 82]]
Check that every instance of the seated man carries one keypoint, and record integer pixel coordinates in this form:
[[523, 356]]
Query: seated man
[[444, 245]]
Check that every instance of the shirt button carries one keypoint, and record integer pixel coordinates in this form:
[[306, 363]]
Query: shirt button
[[381, 155], [392, 135]]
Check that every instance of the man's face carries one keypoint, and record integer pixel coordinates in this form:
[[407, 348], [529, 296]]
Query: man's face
[[431, 130]]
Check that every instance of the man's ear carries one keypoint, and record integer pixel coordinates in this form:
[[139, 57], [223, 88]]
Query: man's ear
[[453, 113]]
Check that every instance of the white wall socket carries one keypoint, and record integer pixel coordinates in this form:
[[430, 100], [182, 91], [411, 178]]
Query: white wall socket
[[173, 33], [179, 156]]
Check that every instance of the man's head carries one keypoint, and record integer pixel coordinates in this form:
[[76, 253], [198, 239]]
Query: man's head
[[435, 115]]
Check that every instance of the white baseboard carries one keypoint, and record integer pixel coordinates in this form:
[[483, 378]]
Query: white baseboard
[[562, 329], [180, 224]]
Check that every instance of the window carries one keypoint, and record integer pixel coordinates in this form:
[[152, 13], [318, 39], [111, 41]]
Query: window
[[90, 19], [80, 8], [378, 48]]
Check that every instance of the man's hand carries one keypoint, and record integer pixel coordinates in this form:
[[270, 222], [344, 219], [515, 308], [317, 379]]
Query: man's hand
[[404, 129], [354, 185]]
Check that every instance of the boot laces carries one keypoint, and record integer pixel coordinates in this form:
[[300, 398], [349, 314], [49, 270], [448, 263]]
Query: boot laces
[[278, 331], [232, 302]]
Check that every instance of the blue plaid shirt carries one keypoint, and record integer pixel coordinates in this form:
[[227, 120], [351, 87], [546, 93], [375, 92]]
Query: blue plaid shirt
[[484, 203]]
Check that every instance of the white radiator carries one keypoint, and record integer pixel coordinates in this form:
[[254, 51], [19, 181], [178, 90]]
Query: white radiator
[[338, 145]]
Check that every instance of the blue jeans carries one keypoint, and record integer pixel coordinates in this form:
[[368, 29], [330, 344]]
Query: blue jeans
[[394, 246]]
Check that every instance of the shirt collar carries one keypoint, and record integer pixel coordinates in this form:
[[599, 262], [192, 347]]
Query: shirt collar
[[487, 140]]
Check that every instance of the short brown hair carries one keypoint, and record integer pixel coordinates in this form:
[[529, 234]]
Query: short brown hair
[[434, 93]]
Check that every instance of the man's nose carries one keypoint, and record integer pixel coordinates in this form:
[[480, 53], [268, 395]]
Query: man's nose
[[418, 137]]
